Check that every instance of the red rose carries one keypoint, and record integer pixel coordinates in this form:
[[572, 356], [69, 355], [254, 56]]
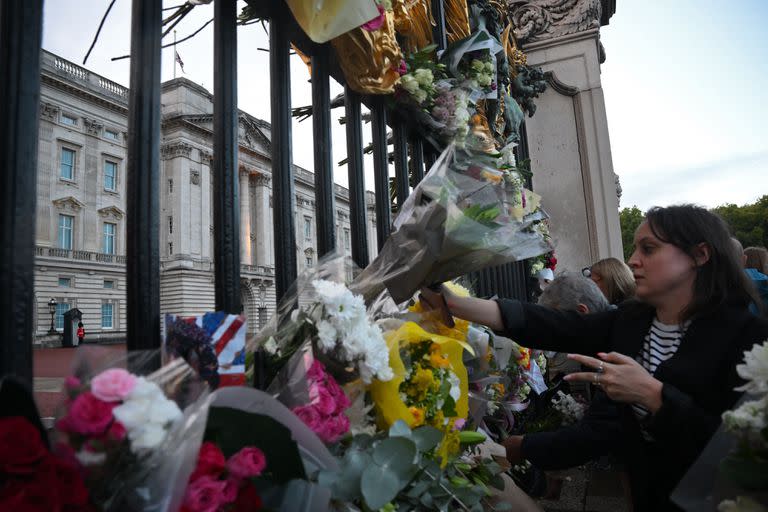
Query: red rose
[[69, 483], [248, 499], [206, 494], [28, 494], [210, 461], [21, 446], [88, 415]]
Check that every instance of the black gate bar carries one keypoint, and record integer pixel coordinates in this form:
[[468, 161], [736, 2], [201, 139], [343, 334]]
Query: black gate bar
[[438, 29], [282, 169], [21, 27], [226, 202], [381, 171], [400, 135], [325, 201], [417, 159], [143, 179], [356, 177]]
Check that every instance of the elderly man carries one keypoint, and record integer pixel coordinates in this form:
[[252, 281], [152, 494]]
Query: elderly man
[[594, 434]]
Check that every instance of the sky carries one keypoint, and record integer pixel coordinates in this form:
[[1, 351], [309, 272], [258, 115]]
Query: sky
[[685, 85]]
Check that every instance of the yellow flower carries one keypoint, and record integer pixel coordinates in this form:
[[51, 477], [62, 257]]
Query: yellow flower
[[423, 379], [418, 416], [450, 446], [436, 358], [438, 419], [499, 387]]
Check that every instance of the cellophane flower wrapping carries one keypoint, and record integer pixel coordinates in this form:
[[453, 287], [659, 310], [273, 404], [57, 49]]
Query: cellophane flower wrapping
[[328, 341], [464, 216], [134, 430], [213, 344]]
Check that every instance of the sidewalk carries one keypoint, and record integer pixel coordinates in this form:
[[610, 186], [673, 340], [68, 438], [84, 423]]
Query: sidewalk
[[52, 365], [590, 488]]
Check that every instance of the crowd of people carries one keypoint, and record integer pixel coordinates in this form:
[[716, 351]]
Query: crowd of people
[[658, 337]]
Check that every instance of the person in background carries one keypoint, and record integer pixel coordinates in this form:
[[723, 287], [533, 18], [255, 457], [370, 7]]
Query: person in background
[[614, 278], [756, 267], [668, 360], [80, 333]]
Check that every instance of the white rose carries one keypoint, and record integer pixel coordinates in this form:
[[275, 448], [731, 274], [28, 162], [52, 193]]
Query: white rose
[[424, 77], [484, 80], [145, 389], [147, 437], [163, 411], [409, 83], [420, 96]]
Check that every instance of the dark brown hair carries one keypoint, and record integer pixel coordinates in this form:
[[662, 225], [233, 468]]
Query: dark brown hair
[[721, 280]]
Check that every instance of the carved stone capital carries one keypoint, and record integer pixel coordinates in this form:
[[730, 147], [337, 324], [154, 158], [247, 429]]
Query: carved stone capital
[[175, 149], [538, 20], [618, 189], [262, 180], [48, 111], [206, 157], [92, 126]]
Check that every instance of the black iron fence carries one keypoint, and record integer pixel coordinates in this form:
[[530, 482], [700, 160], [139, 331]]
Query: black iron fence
[[20, 36]]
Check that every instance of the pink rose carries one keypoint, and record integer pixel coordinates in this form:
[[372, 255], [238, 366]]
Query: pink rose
[[88, 415], [206, 494], [322, 400], [247, 463], [377, 22], [309, 416], [113, 385]]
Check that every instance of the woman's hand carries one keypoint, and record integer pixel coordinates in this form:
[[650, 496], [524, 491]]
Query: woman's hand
[[514, 448], [437, 299], [622, 378], [480, 311]]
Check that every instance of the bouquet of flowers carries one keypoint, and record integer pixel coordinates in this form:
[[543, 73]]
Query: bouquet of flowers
[[464, 216], [126, 430], [748, 465]]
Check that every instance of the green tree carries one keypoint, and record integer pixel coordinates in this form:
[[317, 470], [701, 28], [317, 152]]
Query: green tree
[[749, 222], [630, 219]]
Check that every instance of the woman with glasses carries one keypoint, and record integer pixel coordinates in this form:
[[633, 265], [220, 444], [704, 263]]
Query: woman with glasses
[[614, 278], [668, 360]]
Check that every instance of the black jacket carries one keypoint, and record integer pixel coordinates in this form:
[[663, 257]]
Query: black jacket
[[698, 381]]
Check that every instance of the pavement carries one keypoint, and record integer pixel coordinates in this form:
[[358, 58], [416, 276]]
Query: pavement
[[592, 488], [52, 365]]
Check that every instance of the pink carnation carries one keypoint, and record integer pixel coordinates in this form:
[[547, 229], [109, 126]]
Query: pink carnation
[[322, 399], [113, 385], [88, 415], [206, 494], [309, 415], [247, 463]]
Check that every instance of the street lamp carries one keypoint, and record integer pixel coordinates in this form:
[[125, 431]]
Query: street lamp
[[52, 310]]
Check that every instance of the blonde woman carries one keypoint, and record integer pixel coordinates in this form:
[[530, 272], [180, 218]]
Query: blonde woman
[[614, 278]]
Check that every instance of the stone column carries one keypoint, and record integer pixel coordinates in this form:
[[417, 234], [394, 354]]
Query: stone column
[[245, 216], [262, 219], [568, 139]]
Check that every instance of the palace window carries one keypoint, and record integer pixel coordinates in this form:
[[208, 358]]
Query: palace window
[[107, 314], [68, 120], [109, 284], [61, 308], [111, 134], [110, 230], [110, 175], [65, 282], [66, 224], [67, 167]]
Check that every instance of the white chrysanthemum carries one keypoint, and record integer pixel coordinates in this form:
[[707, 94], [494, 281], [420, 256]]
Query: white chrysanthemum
[[147, 437], [455, 391], [755, 369], [326, 335]]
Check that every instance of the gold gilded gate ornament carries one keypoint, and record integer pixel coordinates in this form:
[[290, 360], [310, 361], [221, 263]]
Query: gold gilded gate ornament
[[370, 59]]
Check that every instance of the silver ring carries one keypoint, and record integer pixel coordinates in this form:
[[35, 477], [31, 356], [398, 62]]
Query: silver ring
[[600, 368]]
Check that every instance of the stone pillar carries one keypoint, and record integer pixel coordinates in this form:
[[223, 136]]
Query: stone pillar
[[568, 138], [262, 219], [245, 216]]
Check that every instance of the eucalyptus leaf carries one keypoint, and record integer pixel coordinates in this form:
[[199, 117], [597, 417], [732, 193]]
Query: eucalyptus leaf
[[379, 486], [347, 486], [426, 438], [400, 429], [418, 489], [395, 454]]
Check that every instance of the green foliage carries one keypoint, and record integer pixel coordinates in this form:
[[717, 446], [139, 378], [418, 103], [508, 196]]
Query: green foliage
[[397, 470], [630, 219], [749, 223]]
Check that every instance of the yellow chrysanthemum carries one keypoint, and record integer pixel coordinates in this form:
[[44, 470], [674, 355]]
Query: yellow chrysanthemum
[[436, 357], [450, 446]]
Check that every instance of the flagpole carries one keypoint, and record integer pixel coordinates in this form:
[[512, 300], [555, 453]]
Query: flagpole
[[174, 54]]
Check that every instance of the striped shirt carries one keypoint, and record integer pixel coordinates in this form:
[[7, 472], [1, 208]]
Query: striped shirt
[[660, 344]]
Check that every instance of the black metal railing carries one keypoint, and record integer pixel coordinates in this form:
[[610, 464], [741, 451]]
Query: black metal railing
[[20, 35]]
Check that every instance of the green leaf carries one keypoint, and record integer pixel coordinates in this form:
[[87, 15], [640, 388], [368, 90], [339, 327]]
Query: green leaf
[[347, 486], [379, 486], [394, 453], [400, 429], [426, 438]]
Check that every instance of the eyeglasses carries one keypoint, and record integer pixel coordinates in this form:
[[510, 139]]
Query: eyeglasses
[[586, 271]]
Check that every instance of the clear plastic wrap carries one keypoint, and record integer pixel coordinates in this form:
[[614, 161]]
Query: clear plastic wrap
[[323, 20], [120, 476], [464, 216]]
